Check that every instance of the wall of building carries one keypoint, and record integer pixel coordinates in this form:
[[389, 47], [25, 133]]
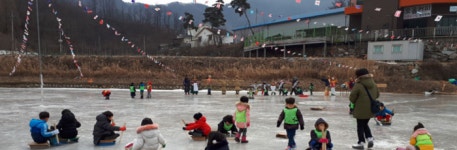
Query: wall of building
[[408, 50], [289, 28], [383, 19]]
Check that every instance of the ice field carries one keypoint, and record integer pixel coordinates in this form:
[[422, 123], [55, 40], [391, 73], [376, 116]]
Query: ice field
[[168, 107]]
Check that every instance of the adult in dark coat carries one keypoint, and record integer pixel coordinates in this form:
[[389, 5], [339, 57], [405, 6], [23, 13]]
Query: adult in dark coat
[[67, 125], [362, 105], [186, 84], [104, 129]]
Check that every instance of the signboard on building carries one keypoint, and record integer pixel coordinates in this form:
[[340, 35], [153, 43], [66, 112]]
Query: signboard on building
[[417, 12], [452, 8]]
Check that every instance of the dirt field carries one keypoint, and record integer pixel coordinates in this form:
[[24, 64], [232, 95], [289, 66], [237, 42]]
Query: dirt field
[[119, 72]]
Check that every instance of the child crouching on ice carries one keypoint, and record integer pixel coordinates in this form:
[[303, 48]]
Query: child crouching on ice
[[148, 137], [420, 140], [385, 114], [227, 125], [217, 141], [317, 134], [39, 130], [199, 127]]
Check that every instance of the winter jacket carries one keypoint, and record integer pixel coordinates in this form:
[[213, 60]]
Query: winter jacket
[[67, 126], [149, 86], [244, 116], [358, 96], [141, 87], [299, 120], [218, 146], [39, 131], [148, 138], [103, 127], [384, 112], [221, 129], [422, 139], [315, 138], [200, 124]]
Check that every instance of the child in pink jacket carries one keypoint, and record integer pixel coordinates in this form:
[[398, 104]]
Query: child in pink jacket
[[242, 118]]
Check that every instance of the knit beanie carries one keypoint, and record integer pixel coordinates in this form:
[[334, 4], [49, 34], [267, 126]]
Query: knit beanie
[[361, 72], [197, 116]]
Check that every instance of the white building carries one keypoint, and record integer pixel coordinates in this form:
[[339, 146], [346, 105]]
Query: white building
[[205, 36], [412, 50]]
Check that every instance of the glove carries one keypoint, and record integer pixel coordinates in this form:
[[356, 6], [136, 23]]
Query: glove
[[55, 132], [183, 128], [187, 124], [113, 124], [323, 140], [248, 124], [123, 128], [163, 146], [278, 124], [302, 127]]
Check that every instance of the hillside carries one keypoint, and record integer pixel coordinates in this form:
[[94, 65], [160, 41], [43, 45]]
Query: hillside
[[119, 72]]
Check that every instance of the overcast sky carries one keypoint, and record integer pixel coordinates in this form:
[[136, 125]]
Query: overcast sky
[[153, 2]]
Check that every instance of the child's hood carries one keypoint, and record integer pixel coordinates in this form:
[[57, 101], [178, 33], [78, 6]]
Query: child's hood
[[420, 131], [35, 122], [147, 127], [319, 121]]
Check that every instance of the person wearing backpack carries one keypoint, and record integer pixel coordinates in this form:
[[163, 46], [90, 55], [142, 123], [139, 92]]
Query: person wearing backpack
[[362, 106]]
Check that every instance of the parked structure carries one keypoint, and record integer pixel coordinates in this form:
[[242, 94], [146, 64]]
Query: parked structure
[[396, 50]]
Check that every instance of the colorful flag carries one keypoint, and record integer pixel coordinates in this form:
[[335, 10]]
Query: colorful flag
[[438, 18], [298, 1], [146, 6], [317, 2], [338, 4], [101, 21], [397, 13]]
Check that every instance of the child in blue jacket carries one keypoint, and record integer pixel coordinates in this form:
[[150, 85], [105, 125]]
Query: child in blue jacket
[[385, 114], [39, 129]]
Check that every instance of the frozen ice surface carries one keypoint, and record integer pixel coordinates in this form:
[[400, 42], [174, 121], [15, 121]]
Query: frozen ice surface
[[168, 107]]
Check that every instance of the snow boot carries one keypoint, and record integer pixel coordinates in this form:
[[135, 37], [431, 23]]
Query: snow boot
[[243, 139], [370, 142], [237, 137], [358, 145]]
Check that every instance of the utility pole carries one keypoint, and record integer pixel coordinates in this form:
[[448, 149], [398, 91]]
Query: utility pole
[[12, 34], [60, 41], [39, 49]]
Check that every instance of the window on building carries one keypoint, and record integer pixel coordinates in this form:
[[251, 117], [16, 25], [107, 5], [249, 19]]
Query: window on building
[[210, 37], [396, 49], [378, 49]]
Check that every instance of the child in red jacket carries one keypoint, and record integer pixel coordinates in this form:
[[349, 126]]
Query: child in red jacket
[[199, 127]]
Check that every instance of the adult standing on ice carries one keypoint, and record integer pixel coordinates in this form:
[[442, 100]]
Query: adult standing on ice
[[362, 108], [186, 84], [132, 90]]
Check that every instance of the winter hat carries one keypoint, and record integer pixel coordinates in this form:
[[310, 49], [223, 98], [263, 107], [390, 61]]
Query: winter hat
[[244, 99], [418, 126], [381, 104], [361, 72], [197, 116]]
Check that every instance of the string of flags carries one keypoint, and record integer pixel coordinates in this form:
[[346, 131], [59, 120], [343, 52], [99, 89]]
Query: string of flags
[[130, 43], [66, 38], [25, 36]]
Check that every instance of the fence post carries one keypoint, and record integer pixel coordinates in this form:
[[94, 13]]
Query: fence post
[[412, 34], [434, 32]]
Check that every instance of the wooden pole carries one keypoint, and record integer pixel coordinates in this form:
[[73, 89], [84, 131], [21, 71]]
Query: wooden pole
[[122, 133], [57, 135], [324, 135]]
